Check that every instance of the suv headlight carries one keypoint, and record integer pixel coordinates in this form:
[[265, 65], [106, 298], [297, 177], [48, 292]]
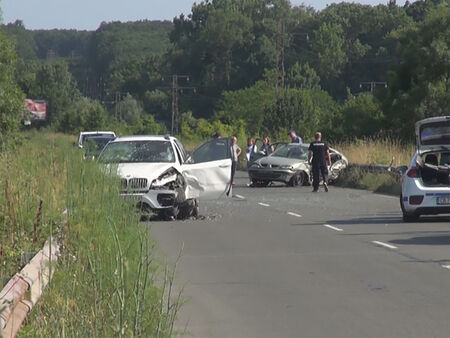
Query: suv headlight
[[289, 167]]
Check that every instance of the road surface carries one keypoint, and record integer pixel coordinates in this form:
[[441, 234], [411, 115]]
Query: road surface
[[286, 262]]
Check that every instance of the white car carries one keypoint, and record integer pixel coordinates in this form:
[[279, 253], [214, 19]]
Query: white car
[[157, 171], [426, 183], [86, 135]]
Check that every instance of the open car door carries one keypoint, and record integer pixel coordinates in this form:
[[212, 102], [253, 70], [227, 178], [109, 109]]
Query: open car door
[[208, 171]]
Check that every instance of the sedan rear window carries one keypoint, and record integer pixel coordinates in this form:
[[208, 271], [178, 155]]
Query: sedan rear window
[[138, 152], [299, 152]]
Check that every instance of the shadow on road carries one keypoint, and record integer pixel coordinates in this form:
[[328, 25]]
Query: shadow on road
[[386, 220], [424, 240], [367, 220]]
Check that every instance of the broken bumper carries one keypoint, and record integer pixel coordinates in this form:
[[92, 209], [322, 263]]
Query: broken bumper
[[263, 174], [154, 199]]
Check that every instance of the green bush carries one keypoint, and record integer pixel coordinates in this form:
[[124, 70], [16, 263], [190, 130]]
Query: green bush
[[388, 183]]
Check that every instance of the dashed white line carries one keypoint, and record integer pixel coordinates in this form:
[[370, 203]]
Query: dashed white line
[[240, 197], [446, 266], [264, 204], [332, 227], [294, 214], [384, 244]]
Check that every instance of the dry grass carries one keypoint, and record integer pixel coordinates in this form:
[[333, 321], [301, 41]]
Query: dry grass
[[377, 151]]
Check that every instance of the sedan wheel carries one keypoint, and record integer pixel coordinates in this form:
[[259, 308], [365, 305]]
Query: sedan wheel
[[297, 179]]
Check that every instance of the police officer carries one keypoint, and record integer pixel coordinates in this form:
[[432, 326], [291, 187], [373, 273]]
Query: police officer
[[318, 156]]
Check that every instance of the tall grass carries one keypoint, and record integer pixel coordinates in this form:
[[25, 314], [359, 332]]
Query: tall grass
[[32, 177], [377, 151], [105, 283]]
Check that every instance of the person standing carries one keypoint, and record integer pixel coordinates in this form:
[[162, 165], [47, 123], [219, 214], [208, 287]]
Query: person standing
[[266, 148], [235, 153], [318, 157], [294, 137], [251, 147]]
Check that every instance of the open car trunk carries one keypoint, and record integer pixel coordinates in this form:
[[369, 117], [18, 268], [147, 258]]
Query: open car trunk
[[434, 169], [433, 145]]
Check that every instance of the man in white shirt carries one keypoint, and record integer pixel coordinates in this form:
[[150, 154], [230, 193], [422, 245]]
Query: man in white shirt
[[235, 152]]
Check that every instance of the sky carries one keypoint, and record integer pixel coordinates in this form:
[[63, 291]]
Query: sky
[[88, 14]]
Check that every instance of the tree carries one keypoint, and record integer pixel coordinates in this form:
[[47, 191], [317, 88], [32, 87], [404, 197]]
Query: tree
[[302, 76], [23, 40], [361, 116], [85, 114], [306, 111], [420, 85], [54, 83], [11, 98], [331, 57], [246, 104]]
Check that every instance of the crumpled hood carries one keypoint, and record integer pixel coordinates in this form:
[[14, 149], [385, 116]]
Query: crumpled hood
[[149, 171]]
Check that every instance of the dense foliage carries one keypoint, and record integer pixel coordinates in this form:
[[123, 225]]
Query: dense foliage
[[253, 67]]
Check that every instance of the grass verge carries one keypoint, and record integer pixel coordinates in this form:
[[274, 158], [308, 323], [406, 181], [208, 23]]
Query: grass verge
[[106, 282], [377, 151], [386, 183]]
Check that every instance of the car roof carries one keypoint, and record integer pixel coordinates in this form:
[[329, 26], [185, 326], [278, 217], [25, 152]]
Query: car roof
[[143, 138], [96, 132]]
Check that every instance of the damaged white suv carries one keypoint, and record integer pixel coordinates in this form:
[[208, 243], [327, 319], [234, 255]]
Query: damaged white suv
[[159, 174]]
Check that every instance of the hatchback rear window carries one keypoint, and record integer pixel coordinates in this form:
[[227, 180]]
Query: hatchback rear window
[[437, 133]]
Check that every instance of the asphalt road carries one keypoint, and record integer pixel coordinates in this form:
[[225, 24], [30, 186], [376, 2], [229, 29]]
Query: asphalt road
[[286, 262]]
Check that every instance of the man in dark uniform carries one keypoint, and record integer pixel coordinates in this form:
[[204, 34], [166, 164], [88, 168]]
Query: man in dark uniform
[[318, 156]]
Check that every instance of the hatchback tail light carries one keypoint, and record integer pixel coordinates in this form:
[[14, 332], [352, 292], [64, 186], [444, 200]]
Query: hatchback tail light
[[415, 199], [413, 172]]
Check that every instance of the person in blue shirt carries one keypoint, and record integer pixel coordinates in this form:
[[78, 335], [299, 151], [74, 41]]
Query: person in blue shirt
[[294, 137]]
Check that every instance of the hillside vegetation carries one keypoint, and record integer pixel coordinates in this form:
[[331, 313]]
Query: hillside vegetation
[[248, 68]]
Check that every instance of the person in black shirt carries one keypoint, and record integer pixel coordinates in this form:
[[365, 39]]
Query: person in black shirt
[[318, 156]]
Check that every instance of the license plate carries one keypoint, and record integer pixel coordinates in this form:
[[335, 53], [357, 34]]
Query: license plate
[[443, 200]]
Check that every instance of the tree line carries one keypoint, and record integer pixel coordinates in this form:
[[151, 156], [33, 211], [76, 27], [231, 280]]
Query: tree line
[[244, 67]]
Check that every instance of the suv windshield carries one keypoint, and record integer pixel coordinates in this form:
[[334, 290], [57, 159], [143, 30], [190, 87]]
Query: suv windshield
[[138, 152], [292, 151]]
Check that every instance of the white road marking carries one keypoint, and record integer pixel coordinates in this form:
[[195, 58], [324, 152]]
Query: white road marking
[[446, 266], [264, 204], [384, 244], [240, 196], [332, 227], [294, 214]]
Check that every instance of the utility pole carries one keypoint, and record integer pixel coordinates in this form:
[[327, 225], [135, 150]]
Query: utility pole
[[175, 99], [373, 84], [280, 57], [118, 107]]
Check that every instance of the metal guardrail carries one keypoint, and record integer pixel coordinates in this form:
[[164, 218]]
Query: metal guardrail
[[23, 291]]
